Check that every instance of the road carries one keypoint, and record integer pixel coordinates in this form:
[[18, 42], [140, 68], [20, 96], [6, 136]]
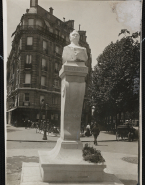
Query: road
[[23, 145]]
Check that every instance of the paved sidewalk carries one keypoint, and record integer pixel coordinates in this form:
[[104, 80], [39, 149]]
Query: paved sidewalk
[[33, 136]]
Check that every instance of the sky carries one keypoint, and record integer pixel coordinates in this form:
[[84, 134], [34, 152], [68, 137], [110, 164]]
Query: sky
[[102, 20]]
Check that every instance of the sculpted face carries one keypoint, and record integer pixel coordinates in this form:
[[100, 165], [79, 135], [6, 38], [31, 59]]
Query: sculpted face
[[74, 36]]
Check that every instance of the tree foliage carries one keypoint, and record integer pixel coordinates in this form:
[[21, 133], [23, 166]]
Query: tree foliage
[[113, 79]]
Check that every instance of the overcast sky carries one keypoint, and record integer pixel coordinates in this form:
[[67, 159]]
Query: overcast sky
[[102, 20]]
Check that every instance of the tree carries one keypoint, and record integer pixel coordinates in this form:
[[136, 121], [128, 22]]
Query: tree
[[113, 79]]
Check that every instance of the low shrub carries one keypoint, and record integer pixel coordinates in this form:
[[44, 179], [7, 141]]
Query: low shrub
[[92, 155]]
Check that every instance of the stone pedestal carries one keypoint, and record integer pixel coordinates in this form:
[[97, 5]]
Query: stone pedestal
[[65, 162], [72, 97]]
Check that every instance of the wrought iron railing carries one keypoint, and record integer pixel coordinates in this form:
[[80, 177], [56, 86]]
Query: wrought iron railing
[[28, 65], [29, 47], [27, 85], [39, 28], [44, 68]]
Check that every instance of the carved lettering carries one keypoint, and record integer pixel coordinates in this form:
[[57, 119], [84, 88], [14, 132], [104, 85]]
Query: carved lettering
[[75, 69]]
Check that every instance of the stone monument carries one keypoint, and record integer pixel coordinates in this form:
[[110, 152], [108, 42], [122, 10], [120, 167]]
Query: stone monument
[[64, 164], [66, 159]]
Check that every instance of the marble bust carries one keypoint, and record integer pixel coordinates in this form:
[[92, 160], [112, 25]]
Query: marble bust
[[74, 54]]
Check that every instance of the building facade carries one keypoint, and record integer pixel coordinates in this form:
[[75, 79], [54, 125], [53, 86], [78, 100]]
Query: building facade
[[33, 83]]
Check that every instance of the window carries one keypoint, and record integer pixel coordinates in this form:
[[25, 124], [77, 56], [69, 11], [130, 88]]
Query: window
[[29, 41], [41, 98], [56, 67], [44, 45], [52, 116], [30, 22], [51, 30], [28, 59], [57, 49], [27, 78], [44, 65], [39, 22], [58, 22], [43, 62], [47, 23], [56, 83], [57, 32], [54, 100], [48, 16], [17, 79], [20, 44], [33, 2], [15, 101], [43, 80], [26, 96]]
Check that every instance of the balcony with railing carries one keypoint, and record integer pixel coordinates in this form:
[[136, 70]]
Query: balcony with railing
[[58, 54], [26, 85], [43, 87], [42, 29], [31, 27], [29, 47], [45, 51], [56, 88], [43, 68], [28, 66]]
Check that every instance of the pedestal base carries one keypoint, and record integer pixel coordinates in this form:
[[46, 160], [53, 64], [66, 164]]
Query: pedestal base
[[31, 175], [65, 164]]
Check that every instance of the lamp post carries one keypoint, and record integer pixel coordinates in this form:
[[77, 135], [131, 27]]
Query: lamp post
[[93, 109], [45, 124], [46, 111]]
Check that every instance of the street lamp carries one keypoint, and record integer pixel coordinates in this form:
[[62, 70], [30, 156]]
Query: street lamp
[[45, 124], [46, 111], [93, 109]]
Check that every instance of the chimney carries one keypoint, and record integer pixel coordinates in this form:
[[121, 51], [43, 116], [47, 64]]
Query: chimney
[[63, 19], [33, 3], [79, 27], [51, 10]]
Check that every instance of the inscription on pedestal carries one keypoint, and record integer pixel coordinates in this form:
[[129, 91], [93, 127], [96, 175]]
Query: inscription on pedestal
[[78, 69]]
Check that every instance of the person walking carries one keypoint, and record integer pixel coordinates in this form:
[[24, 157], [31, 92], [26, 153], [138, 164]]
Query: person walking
[[26, 123], [95, 132], [91, 126]]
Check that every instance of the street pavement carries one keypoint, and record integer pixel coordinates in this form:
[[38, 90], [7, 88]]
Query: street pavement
[[33, 136], [23, 145]]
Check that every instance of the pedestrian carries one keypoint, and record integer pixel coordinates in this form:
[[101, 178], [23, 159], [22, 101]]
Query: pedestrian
[[92, 125], [88, 131], [29, 123], [26, 124], [88, 126], [131, 134], [95, 132]]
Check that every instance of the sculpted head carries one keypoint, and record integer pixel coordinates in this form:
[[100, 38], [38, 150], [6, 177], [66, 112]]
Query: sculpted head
[[74, 36]]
